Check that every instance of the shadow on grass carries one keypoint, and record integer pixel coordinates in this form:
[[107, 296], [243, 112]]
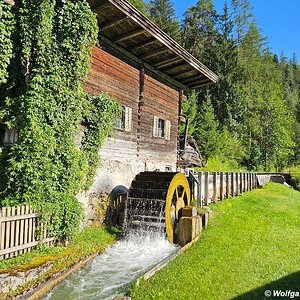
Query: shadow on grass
[[284, 284]]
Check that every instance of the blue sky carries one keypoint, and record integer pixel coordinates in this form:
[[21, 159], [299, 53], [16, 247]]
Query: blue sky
[[277, 19]]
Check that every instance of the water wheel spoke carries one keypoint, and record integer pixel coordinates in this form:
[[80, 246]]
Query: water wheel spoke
[[183, 194], [177, 194]]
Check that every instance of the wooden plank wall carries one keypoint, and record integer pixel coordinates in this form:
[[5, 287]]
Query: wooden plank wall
[[122, 81], [18, 231], [163, 102]]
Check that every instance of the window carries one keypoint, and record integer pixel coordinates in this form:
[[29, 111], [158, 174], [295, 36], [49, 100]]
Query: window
[[124, 122], [8, 136], [161, 128], [120, 122]]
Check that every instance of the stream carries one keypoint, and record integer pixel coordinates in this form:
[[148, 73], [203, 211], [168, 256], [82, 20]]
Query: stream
[[111, 273]]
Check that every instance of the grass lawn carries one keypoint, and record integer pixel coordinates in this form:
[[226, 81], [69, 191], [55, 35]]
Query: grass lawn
[[252, 244]]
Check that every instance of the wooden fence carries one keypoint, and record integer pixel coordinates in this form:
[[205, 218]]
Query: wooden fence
[[210, 187], [18, 231]]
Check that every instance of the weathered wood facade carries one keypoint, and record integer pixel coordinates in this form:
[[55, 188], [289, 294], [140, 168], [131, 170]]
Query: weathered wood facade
[[148, 73]]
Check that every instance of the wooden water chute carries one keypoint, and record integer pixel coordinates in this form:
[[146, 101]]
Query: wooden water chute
[[155, 200]]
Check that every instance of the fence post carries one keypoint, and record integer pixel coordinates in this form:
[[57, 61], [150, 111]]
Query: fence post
[[237, 177], [200, 189], [206, 174], [232, 184], [241, 182], [214, 186], [12, 231], [221, 186], [227, 185]]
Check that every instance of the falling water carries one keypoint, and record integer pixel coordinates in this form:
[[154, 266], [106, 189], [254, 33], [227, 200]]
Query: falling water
[[145, 245], [110, 274]]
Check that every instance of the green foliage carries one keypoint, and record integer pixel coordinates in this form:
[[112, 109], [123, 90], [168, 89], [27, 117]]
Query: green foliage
[[206, 133], [215, 164], [103, 108], [200, 29], [190, 110], [44, 168], [162, 13], [139, 4], [7, 23], [248, 237]]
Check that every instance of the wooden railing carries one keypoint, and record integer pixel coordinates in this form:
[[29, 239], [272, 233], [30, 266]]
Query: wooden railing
[[18, 231], [210, 187]]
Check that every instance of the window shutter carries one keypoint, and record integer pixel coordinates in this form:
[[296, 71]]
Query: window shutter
[[168, 130], [155, 126], [128, 119]]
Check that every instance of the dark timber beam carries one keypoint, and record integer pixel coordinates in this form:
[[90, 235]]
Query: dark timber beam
[[155, 52], [180, 64], [168, 61], [100, 6], [199, 83], [142, 44], [194, 79], [183, 72], [129, 35], [112, 23], [202, 84]]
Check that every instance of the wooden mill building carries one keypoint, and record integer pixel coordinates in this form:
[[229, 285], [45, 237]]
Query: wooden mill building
[[149, 74]]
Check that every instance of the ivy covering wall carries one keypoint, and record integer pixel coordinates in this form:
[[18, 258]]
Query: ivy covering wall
[[43, 97]]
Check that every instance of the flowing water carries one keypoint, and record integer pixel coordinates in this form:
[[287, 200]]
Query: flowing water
[[111, 273]]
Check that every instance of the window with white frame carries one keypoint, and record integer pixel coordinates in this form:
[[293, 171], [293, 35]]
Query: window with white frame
[[124, 122], [161, 128]]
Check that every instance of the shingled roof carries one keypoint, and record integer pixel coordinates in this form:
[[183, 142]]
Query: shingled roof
[[126, 29]]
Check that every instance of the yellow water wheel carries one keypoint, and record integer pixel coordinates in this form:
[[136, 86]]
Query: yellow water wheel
[[154, 202], [179, 196]]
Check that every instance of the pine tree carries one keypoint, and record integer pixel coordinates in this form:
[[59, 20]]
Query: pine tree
[[162, 13], [224, 55], [206, 133], [243, 17], [200, 29]]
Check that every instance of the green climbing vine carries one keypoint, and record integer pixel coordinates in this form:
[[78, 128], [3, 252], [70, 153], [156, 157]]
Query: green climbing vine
[[6, 28], [45, 168]]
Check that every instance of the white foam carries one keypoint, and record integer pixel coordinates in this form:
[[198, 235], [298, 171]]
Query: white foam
[[111, 273]]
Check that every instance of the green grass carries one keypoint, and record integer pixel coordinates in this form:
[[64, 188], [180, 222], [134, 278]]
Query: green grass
[[252, 244]]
